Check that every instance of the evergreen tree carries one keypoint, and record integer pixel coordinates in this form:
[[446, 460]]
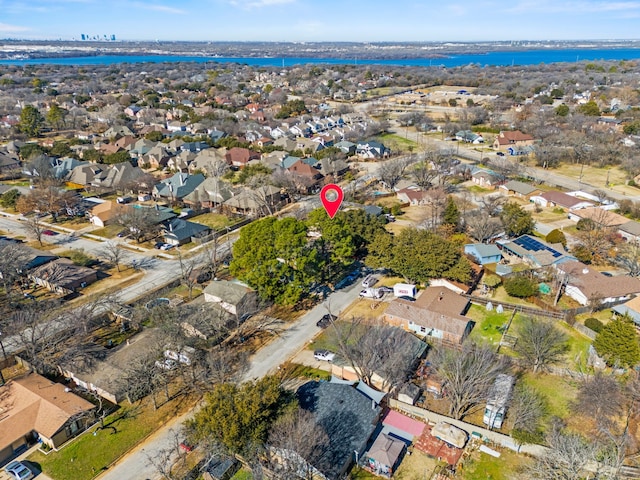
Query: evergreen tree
[[617, 343], [31, 121], [516, 220], [451, 215]]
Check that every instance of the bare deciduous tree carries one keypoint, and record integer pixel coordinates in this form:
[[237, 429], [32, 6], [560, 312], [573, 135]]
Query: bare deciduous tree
[[481, 226], [34, 226], [566, 459], [469, 373], [112, 253], [540, 343], [13, 258], [296, 445], [377, 349]]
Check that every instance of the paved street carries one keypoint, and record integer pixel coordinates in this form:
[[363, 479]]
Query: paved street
[[136, 465]]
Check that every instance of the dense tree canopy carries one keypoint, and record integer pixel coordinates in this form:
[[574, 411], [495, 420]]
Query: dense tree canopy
[[239, 417], [274, 257], [31, 121], [419, 255], [618, 344], [516, 220], [279, 260]]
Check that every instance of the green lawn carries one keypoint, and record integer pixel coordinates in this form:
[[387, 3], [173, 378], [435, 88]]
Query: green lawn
[[214, 221], [295, 370], [243, 474], [559, 391], [488, 328], [482, 466], [396, 142], [578, 344], [110, 231], [88, 455]]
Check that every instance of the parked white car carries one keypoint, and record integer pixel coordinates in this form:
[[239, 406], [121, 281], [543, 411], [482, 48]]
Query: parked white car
[[325, 355]]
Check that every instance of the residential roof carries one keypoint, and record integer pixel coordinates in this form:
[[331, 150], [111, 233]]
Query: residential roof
[[536, 250], [519, 187], [594, 284], [631, 308], [386, 450], [179, 185], [562, 199], [485, 250], [631, 227], [211, 190], [36, 403], [436, 307], [603, 217], [63, 273], [108, 367], [402, 422], [347, 416], [183, 229], [230, 292], [510, 137]]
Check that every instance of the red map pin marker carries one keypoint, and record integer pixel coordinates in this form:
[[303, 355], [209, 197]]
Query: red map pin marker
[[331, 196]]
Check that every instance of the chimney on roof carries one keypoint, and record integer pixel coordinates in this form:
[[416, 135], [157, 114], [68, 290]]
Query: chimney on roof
[[585, 270], [440, 297]]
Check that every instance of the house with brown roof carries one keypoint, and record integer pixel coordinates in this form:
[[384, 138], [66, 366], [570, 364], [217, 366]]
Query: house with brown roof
[[554, 198], [412, 196], [590, 287], [438, 313], [239, 157], [600, 216], [62, 276], [506, 139], [105, 213], [33, 407]]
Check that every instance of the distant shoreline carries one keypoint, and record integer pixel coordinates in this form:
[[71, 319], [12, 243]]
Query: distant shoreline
[[490, 58], [348, 52]]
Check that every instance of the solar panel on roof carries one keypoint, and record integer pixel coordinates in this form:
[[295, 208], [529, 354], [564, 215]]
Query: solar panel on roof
[[533, 245]]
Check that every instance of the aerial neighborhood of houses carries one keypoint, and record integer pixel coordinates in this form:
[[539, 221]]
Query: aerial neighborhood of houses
[[471, 309]]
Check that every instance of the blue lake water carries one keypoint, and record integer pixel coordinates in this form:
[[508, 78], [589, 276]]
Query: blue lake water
[[530, 57]]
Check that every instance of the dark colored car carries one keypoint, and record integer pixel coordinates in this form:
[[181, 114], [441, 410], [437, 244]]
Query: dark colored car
[[49, 233], [326, 320]]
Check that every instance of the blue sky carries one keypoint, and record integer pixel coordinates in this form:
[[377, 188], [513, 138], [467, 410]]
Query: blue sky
[[321, 20]]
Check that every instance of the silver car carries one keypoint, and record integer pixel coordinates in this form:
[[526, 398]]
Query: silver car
[[18, 471]]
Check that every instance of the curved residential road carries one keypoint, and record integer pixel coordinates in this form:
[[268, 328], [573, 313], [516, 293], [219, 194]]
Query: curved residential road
[[137, 466]]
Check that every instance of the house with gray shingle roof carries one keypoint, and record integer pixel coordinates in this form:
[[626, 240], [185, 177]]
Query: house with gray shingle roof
[[519, 189], [178, 186], [347, 415], [483, 253]]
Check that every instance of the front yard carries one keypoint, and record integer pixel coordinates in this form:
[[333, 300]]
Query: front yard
[[92, 453]]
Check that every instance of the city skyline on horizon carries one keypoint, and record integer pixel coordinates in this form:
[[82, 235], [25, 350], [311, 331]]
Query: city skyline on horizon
[[307, 21]]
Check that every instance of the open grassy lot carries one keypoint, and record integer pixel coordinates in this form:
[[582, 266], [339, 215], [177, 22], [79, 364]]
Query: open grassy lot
[[481, 466], [91, 453], [243, 474], [559, 391], [396, 142], [295, 370], [593, 175], [214, 221]]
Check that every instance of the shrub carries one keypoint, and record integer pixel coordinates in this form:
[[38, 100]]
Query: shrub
[[556, 236], [593, 324], [520, 286]]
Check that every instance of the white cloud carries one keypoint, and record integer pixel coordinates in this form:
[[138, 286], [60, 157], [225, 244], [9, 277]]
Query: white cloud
[[6, 28], [159, 8], [577, 7], [248, 4]]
